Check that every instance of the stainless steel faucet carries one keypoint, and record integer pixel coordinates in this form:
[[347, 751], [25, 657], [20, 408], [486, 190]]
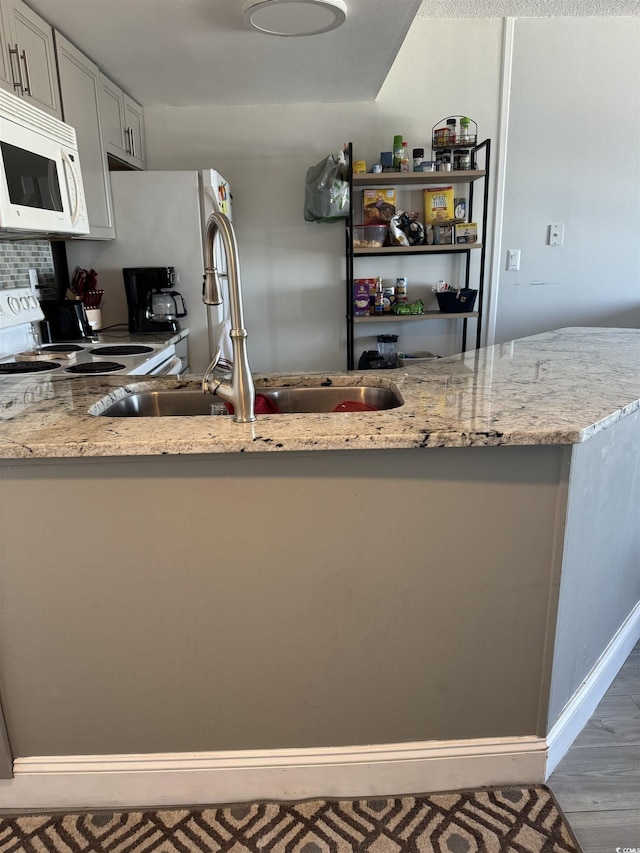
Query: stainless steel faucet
[[236, 387]]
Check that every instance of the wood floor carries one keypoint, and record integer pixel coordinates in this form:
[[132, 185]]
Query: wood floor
[[597, 783]]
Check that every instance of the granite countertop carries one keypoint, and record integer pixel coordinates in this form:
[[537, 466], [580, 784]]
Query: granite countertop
[[558, 387]]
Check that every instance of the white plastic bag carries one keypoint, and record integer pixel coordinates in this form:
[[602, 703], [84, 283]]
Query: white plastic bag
[[326, 190]]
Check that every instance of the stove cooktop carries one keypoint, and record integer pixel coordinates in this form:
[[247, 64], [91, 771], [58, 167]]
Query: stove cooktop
[[19, 309]]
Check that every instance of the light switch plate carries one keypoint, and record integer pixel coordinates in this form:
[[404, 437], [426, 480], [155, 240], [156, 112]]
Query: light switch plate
[[513, 260]]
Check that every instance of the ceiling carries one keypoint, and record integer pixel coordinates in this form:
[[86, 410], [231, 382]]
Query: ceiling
[[198, 53]]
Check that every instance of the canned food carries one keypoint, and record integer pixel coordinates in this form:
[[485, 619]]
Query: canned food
[[402, 289]]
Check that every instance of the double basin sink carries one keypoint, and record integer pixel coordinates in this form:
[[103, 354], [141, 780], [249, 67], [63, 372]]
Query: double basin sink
[[189, 402]]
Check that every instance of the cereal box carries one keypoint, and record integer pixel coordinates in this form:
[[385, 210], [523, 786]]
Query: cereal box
[[362, 290], [379, 206], [467, 232], [438, 204]]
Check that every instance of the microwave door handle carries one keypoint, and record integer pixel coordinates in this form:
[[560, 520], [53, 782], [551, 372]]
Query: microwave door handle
[[71, 171], [27, 76], [17, 84]]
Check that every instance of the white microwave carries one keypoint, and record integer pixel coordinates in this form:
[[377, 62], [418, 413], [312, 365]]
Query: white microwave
[[41, 191]]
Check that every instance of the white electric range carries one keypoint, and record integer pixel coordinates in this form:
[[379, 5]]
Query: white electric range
[[19, 308]]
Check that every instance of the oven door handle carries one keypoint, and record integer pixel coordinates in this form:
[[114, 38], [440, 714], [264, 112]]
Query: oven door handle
[[172, 367]]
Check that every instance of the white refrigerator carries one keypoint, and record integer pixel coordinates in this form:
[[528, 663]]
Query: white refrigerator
[[160, 219]]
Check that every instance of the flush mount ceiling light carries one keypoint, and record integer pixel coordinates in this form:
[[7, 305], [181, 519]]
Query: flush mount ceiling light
[[294, 17]]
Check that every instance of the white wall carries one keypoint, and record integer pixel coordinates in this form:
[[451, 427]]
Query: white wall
[[576, 76], [573, 157], [293, 272]]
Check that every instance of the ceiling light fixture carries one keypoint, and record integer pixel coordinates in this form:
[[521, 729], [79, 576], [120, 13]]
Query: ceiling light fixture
[[294, 17]]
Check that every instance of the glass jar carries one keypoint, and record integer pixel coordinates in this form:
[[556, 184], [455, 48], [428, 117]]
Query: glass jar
[[452, 133]]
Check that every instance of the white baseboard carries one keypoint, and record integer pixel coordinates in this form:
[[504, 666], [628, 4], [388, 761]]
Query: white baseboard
[[585, 700], [180, 779]]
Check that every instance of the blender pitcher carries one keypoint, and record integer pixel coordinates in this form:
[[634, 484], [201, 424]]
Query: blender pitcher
[[388, 349]]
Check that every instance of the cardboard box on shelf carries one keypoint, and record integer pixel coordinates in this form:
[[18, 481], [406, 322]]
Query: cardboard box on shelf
[[363, 288], [378, 206], [467, 232], [438, 204]]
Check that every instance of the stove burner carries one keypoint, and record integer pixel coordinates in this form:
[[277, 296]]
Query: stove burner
[[28, 366], [95, 367], [121, 349], [62, 348]]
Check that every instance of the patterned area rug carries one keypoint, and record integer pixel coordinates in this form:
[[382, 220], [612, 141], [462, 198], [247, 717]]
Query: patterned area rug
[[523, 820]]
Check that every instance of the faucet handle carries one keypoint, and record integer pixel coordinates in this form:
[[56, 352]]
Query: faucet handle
[[210, 369]]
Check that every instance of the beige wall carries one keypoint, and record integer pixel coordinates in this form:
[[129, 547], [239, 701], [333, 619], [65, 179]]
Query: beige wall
[[257, 601]]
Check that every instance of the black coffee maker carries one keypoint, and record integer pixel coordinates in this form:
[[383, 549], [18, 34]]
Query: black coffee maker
[[141, 284]]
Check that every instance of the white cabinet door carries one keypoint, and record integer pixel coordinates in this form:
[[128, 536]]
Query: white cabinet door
[[112, 117], [6, 78], [80, 92], [31, 52], [134, 127], [123, 126]]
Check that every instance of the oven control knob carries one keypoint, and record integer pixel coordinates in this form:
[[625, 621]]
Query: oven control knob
[[24, 301], [33, 302], [14, 304]]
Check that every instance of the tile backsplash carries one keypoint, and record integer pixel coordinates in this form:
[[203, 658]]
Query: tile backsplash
[[19, 256]]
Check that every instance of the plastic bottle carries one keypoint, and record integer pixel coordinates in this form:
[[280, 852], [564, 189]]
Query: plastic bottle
[[418, 157], [378, 307], [397, 152], [464, 129], [405, 163]]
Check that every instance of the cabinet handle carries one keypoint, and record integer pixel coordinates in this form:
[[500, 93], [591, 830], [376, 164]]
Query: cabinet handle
[[17, 84], [133, 142], [27, 76]]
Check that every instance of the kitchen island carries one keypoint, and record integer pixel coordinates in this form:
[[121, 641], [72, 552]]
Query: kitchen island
[[422, 597]]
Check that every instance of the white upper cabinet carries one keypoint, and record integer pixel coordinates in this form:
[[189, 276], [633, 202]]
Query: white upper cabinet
[[80, 91], [27, 57], [122, 125]]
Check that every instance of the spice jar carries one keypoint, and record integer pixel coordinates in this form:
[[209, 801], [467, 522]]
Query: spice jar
[[452, 134]]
